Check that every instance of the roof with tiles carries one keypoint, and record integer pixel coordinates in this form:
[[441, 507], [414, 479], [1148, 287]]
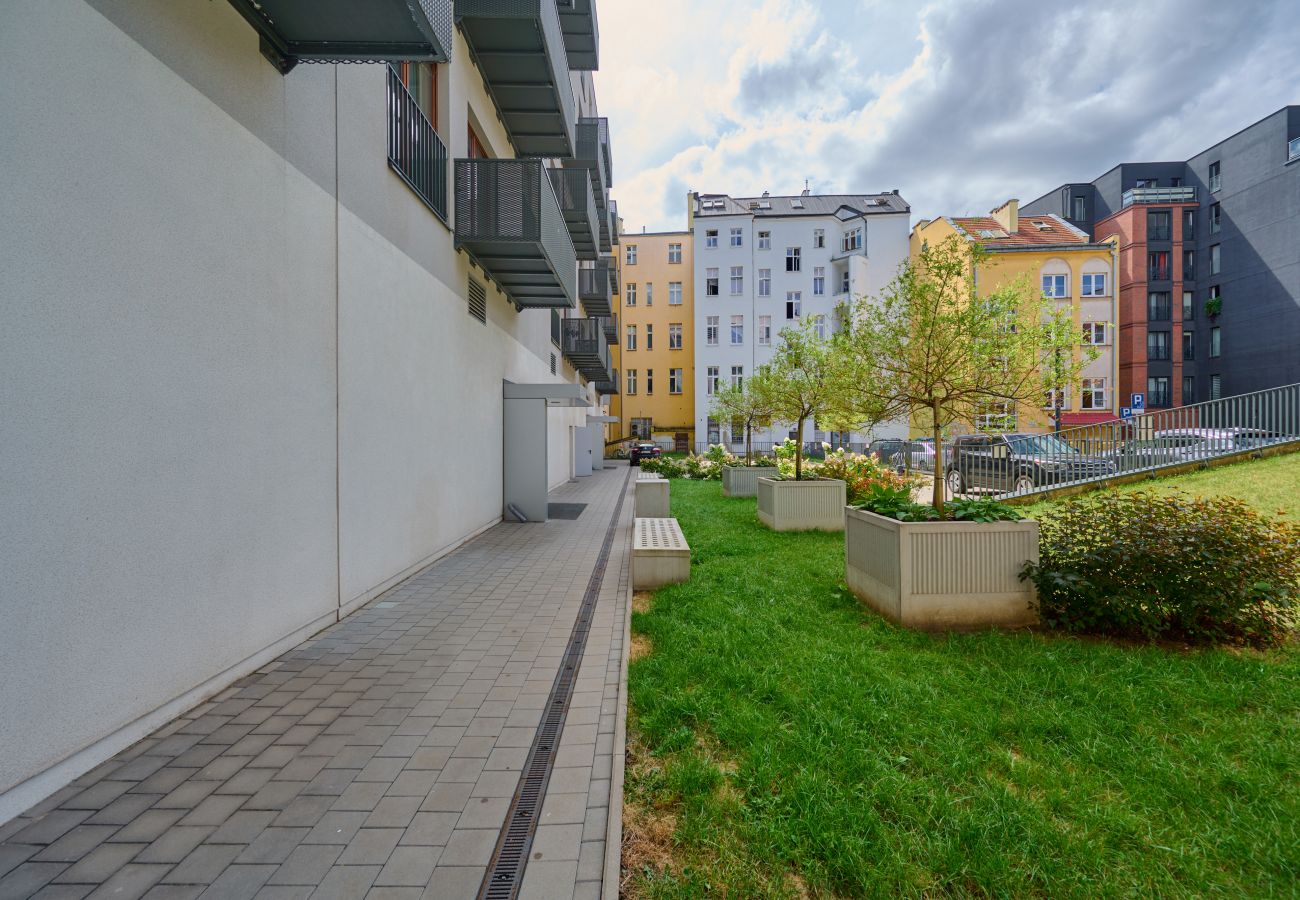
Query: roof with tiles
[[1032, 230], [800, 205]]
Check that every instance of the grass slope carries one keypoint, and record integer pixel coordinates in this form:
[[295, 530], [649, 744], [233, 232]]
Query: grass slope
[[784, 741]]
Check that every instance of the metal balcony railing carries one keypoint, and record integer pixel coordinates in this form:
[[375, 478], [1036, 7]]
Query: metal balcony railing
[[555, 327], [581, 33], [584, 345], [610, 324], [1159, 195], [609, 387], [594, 288], [415, 151], [509, 220], [591, 152], [573, 190], [615, 230], [350, 30], [614, 288]]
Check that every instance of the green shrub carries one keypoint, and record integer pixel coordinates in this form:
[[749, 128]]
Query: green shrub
[[1150, 566], [666, 466], [895, 501], [982, 510]]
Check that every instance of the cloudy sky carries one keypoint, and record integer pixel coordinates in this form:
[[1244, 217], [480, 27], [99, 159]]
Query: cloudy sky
[[959, 104]]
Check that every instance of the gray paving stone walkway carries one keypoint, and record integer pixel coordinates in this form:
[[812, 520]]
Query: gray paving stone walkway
[[378, 758]]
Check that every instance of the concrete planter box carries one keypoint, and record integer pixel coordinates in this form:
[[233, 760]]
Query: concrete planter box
[[814, 505], [938, 576], [740, 481], [651, 498]]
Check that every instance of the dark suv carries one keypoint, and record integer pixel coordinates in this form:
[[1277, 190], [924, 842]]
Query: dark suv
[[1017, 463]]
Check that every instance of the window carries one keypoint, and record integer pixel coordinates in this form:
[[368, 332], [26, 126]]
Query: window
[[715, 435], [852, 240], [793, 304], [631, 337], [737, 238], [765, 330], [764, 282], [1158, 306], [674, 293], [819, 326], [630, 292], [649, 345], [1189, 389], [765, 240], [819, 280], [1216, 177], [1145, 183], [1293, 149], [819, 238], [1094, 285], [1094, 333], [1159, 227], [1056, 285], [674, 335], [631, 381], [1094, 394], [674, 381], [737, 280], [649, 293], [674, 254], [711, 331], [737, 430], [1216, 341], [737, 330], [792, 259], [1216, 218], [1189, 345], [1052, 397], [629, 255], [421, 80], [1158, 390], [738, 377], [1187, 306], [711, 238], [1189, 224], [1189, 265], [1157, 345], [1080, 209], [711, 380], [1158, 266], [996, 416], [1216, 261], [710, 282], [649, 381], [844, 282], [1215, 387]]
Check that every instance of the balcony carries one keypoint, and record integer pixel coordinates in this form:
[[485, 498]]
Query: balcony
[[518, 47], [415, 152], [583, 344], [573, 190], [610, 324], [509, 221], [350, 30], [594, 288], [581, 33], [592, 152], [614, 226], [608, 388], [1159, 195], [613, 277]]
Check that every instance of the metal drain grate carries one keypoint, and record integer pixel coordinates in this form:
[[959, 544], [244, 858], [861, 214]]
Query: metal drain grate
[[505, 872], [564, 510]]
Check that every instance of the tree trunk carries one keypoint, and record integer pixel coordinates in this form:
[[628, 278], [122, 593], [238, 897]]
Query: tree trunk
[[749, 443], [798, 450], [937, 497]]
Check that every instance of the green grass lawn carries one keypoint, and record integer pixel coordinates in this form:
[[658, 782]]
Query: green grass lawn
[[1271, 485], [785, 741]]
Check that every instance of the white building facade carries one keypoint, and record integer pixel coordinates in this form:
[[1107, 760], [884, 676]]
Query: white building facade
[[766, 263], [254, 358]]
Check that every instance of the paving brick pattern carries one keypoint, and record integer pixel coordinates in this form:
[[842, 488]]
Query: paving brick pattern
[[378, 758]]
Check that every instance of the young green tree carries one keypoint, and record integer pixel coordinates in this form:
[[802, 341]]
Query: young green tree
[[933, 347], [801, 381], [747, 404]]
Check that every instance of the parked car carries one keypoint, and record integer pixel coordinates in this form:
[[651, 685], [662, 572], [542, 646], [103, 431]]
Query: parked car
[[1016, 463], [644, 451], [900, 454]]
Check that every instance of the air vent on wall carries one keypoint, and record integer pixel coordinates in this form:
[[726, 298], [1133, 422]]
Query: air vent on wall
[[477, 300], [552, 363]]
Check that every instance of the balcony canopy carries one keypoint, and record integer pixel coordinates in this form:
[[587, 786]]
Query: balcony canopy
[[518, 46], [509, 220], [581, 33], [350, 30]]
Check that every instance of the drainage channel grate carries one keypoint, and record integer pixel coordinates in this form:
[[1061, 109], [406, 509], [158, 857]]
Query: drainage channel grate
[[505, 872]]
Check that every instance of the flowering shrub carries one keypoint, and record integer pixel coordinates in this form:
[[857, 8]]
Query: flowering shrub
[[1152, 566], [699, 468], [858, 471]]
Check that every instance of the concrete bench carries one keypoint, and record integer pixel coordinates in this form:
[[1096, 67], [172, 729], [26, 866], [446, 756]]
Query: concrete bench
[[647, 476], [659, 554], [650, 498]]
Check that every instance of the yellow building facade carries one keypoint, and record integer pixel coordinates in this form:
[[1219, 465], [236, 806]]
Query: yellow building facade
[[1061, 260], [656, 350]]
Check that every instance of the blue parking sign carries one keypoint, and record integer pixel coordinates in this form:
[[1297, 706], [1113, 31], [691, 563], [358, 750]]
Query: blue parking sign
[[1139, 401], [1125, 412]]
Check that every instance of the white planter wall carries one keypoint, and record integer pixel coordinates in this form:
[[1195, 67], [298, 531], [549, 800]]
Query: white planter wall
[[941, 575], [816, 505], [740, 481]]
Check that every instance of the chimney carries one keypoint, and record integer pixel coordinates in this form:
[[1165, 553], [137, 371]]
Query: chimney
[[766, 194], [1008, 215]]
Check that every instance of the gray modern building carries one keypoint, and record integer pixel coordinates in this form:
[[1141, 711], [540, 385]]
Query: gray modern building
[[1209, 260]]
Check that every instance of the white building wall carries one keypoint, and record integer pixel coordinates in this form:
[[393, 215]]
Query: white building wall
[[239, 387]]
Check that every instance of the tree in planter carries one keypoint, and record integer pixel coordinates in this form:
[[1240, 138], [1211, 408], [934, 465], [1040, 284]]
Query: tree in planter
[[932, 347], [748, 404], [801, 381]]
